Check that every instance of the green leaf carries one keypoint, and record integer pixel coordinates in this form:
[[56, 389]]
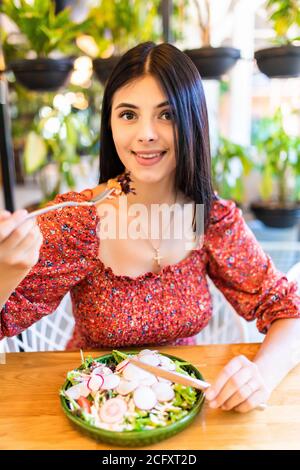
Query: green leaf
[[35, 153]]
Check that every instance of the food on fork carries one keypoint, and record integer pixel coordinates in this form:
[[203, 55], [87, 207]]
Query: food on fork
[[121, 185]]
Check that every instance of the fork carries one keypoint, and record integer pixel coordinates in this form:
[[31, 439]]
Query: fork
[[106, 193]]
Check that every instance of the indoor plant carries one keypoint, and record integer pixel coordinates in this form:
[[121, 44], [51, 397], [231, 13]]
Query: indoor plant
[[212, 62], [44, 34], [53, 147], [230, 163], [283, 60], [279, 164], [115, 27]]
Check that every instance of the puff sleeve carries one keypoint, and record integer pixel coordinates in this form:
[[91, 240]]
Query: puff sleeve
[[67, 255], [247, 277]]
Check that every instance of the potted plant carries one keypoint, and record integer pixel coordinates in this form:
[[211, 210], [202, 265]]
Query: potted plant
[[279, 165], [230, 163], [283, 60], [212, 62], [115, 27], [44, 33], [59, 147]]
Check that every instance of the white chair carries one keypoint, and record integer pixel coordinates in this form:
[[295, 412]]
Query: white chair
[[225, 326], [48, 334]]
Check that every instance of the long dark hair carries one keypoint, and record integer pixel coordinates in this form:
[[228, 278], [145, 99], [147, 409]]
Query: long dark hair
[[181, 82]]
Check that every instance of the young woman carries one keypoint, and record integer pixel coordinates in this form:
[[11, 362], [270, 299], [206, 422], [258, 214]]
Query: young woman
[[136, 292]]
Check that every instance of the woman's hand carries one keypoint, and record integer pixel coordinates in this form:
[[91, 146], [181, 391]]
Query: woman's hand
[[239, 387], [19, 247]]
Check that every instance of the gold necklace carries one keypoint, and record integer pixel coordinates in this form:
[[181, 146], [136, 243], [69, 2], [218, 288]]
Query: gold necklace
[[157, 257]]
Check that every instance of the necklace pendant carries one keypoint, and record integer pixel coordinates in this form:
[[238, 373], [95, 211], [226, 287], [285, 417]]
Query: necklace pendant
[[157, 257]]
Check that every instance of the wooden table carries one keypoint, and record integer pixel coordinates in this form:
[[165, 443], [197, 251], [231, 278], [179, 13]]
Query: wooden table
[[31, 416]]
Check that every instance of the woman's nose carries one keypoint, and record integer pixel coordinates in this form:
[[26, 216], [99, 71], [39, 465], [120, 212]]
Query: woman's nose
[[146, 132]]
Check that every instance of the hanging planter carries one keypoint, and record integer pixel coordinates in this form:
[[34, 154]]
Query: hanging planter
[[273, 214], [43, 74], [213, 62], [43, 35], [280, 62], [104, 67], [278, 163]]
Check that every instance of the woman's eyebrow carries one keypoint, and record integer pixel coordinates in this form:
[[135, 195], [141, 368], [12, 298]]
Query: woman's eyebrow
[[133, 106]]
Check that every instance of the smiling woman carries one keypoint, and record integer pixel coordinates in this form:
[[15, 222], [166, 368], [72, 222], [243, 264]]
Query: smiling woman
[[154, 127]]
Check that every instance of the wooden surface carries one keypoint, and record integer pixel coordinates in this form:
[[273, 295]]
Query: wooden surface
[[32, 418]]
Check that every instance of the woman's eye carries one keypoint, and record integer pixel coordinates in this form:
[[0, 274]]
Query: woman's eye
[[127, 113], [168, 114], [130, 115]]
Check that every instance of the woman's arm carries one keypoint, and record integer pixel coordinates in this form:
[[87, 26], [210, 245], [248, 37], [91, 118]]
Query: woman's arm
[[67, 255], [258, 291], [242, 385]]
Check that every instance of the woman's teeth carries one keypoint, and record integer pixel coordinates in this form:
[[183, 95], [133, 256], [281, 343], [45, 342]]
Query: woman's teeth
[[150, 156]]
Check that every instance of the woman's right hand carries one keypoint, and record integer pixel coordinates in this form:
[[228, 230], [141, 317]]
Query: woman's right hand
[[19, 246]]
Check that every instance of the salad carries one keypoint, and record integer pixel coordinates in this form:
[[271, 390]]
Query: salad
[[119, 396]]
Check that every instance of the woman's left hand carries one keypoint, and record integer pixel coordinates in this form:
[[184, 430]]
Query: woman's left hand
[[240, 387]]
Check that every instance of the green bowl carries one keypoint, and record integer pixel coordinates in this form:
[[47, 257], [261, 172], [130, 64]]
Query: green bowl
[[135, 438]]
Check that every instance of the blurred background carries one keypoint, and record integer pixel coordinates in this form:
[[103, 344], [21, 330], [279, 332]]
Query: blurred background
[[55, 57]]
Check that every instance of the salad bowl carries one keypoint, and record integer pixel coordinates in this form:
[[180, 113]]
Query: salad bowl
[[113, 401]]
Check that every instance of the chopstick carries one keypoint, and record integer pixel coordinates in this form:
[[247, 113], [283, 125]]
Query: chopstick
[[173, 376]]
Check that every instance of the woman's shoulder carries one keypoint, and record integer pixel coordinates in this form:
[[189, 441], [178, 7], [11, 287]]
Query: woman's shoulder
[[223, 210]]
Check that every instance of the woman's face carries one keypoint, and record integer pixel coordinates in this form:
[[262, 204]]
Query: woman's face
[[141, 123]]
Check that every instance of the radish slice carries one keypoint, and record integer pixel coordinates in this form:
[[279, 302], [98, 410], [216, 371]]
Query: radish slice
[[113, 410], [127, 386], [148, 379], [167, 363], [144, 398], [95, 382], [132, 372], [74, 392], [85, 391], [163, 391], [144, 352], [151, 359], [121, 365], [110, 381], [102, 370]]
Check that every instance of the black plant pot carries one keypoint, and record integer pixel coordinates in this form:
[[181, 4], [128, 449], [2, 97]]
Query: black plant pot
[[280, 62], [104, 67], [43, 74], [274, 215], [213, 62]]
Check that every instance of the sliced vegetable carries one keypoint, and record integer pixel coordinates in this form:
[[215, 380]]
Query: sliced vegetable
[[163, 391], [152, 359], [126, 386], [95, 382], [167, 363], [77, 390], [102, 370], [84, 403], [144, 398], [121, 365], [110, 381], [113, 410]]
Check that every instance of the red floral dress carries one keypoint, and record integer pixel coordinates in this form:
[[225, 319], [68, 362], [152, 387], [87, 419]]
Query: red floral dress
[[167, 308]]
